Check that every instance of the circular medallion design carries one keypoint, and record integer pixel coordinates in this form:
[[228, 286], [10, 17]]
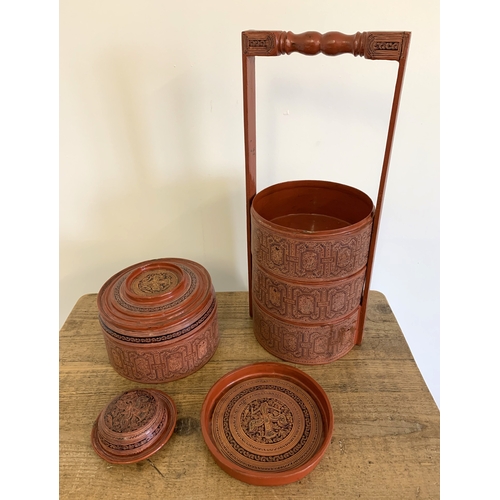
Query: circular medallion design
[[266, 420], [130, 411], [267, 424], [163, 305], [154, 282]]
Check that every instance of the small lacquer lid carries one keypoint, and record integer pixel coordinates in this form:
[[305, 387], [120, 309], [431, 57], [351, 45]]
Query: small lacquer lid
[[134, 426]]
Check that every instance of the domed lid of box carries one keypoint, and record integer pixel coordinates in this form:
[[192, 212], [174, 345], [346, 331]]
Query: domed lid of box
[[133, 426], [156, 300]]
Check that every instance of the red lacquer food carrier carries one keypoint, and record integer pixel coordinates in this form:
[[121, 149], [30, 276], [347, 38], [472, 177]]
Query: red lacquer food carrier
[[159, 319], [311, 243]]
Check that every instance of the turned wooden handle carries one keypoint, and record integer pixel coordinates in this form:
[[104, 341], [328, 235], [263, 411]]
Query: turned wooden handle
[[388, 45]]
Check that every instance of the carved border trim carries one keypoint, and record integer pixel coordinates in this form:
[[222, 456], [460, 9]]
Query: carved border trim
[[160, 338]]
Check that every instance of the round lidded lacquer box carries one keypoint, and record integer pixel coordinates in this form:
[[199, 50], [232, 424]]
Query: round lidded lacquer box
[[159, 320]]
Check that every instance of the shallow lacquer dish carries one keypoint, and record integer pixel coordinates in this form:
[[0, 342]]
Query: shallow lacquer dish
[[267, 423]]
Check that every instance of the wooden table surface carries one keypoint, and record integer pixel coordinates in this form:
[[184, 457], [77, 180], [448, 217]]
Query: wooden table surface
[[385, 442]]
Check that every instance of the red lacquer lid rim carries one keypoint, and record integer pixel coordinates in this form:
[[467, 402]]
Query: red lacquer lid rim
[[156, 298], [247, 394]]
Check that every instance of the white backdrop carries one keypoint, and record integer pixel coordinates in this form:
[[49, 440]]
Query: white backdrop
[[152, 151]]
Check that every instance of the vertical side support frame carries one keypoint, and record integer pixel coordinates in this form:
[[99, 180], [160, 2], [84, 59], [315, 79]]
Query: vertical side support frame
[[381, 189], [250, 155]]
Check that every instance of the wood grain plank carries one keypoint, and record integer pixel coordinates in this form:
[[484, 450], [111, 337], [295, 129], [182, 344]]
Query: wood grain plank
[[385, 444]]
